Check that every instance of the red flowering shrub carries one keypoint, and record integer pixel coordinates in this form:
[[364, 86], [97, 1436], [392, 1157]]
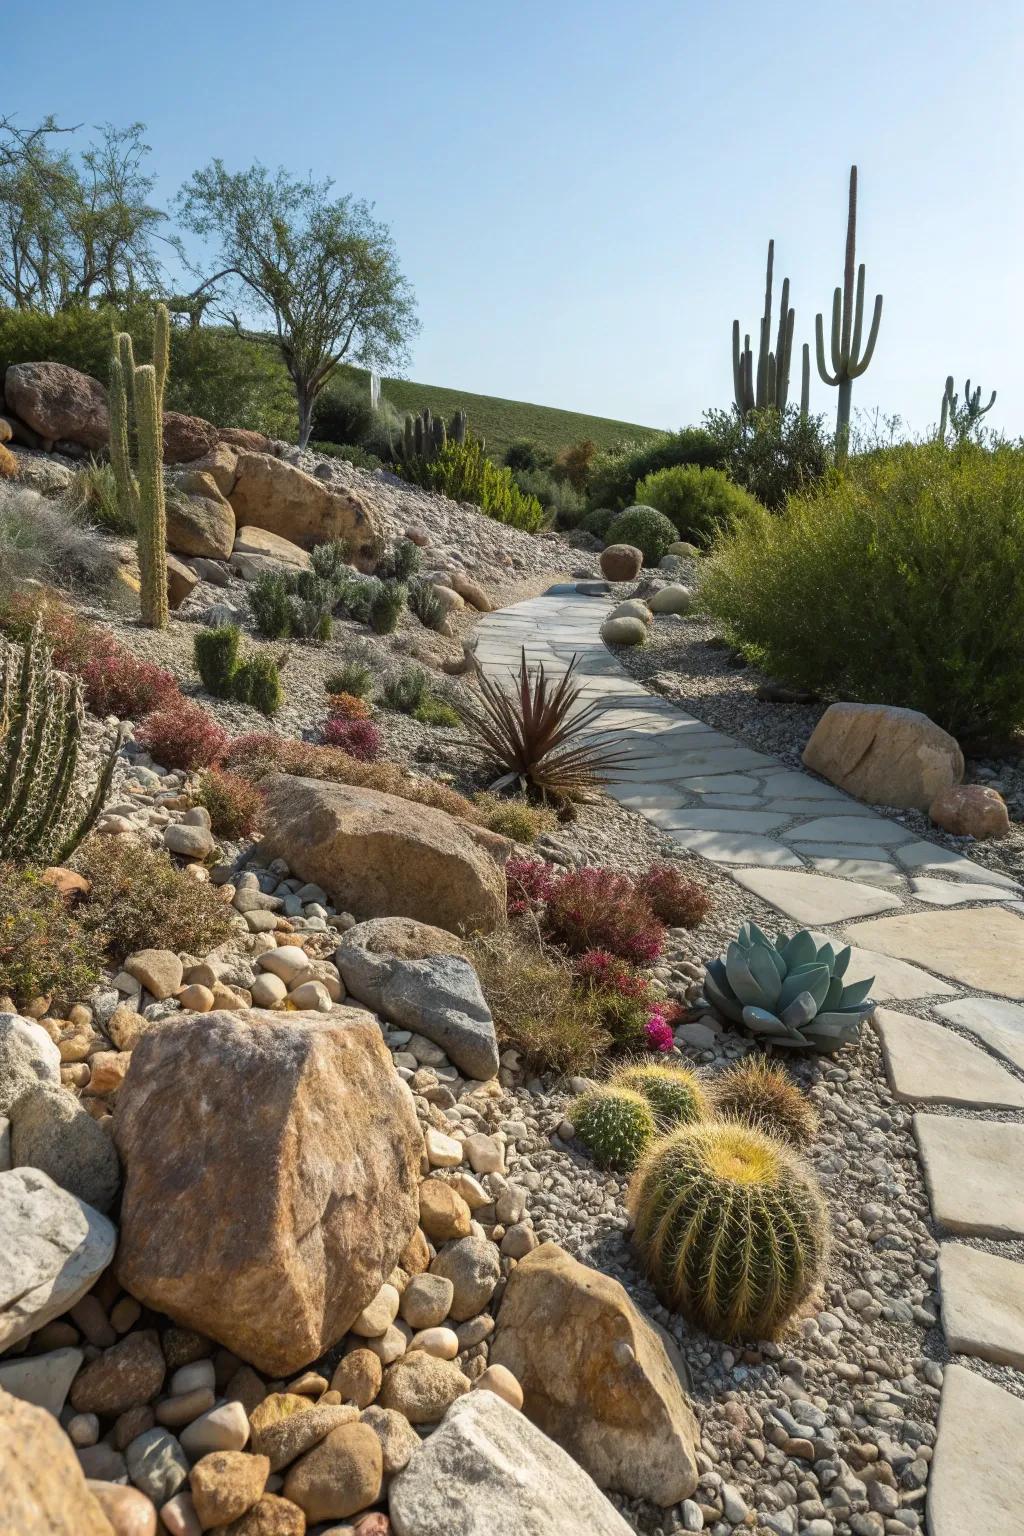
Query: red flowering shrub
[[118, 683], [359, 738], [678, 902], [183, 736], [658, 1032], [346, 706], [235, 805], [602, 969], [529, 883], [597, 908]]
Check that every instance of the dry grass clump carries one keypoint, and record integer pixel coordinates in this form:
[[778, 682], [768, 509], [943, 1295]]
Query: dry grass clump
[[515, 818], [140, 899], [760, 1093]]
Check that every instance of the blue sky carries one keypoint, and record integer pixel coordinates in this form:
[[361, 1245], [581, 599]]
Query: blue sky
[[582, 192]]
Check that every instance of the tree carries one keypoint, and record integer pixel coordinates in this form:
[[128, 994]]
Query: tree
[[322, 268], [76, 230]]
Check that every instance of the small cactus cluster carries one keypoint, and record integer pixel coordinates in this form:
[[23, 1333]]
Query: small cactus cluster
[[676, 1094], [425, 435], [963, 419], [615, 1125], [136, 400], [730, 1226], [761, 1093]]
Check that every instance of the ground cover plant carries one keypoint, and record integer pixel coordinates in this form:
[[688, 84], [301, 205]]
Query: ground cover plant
[[140, 899]]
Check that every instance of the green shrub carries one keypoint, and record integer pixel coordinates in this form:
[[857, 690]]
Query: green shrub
[[435, 712], [352, 676], [557, 497], [646, 529], [139, 899], [676, 1094], [352, 453], [406, 690], [343, 413], [699, 502], [614, 474], [536, 1007], [270, 606], [386, 607], [332, 561], [771, 455], [462, 472], [731, 1227], [519, 819], [257, 682], [44, 953], [93, 497], [400, 562], [598, 521], [897, 582], [216, 657], [427, 605], [527, 454], [615, 1125]]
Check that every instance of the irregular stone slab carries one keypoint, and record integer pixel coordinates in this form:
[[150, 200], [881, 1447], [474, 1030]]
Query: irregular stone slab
[[895, 980], [733, 803], [884, 755], [928, 856], [724, 783], [973, 1170], [840, 806], [999, 1024], [952, 893], [870, 852], [640, 801], [487, 1471], [43, 1490], [858, 867], [52, 1250], [852, 829], [982, 1304], [705, 763], [597, 1378], [929, 1064], [737, 848], [698, 819], [977, 1478], [978, 947], [809, 899], [803, 786]]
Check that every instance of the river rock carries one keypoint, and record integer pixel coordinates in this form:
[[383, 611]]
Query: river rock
[[53, 1248], [339, 1477], [624, 631], [970, 810], [621, 562], [421, 1387], [474, 1268]]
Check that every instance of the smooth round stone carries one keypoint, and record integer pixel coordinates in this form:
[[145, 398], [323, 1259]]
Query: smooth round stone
[[632, 608], [358, 1377], [500, 1380], [196, 999], [222, 1429], [83, 1429], [174, 1412], [442, 1343], [127, 1510], [179, 1516], [268, 990], [671, 599], [390, 1346], [485, 1153], [312, 996], [442, 1151], [426, 1300], [377, 1316], [286, 961], [625, 631], [188, 1377]]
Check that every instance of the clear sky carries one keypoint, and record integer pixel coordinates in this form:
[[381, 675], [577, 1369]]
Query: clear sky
[[582, 192]]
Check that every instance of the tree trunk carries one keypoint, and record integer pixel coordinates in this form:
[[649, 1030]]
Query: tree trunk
[[304, 396]]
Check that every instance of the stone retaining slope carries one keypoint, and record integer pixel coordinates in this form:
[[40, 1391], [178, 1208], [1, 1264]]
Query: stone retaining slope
[[943, 935]]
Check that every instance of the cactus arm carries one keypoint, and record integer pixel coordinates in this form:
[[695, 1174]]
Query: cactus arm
[[849, 264], [152, 513], [783, 359], [819, 341], [876, 319], [737, 389], [991, 403], [88, 820], [161, 349], [858, 323], [944, 414], [805, 382]]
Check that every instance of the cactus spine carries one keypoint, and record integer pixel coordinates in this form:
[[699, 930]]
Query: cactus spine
[[770, 386], [676, 1094], [849, 361], [615, 1125], [136, 411], [963, 420]]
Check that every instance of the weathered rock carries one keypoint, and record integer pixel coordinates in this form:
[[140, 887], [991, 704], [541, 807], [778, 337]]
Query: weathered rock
[[157, 1464], [487, 1469], [39, 472], [129, 1511], [376, 854], [181, 581], [28, 1057], [421, 1387], [671, 599], [268, 493], [293, 1435], [624, 631], [621, 562], [312, 1205], [259, 541], [188, 841], [42, 1487], [444, 1215], [970, 810], [357, 1377], [474, 1268], [471, 592], [393, 938], [243, 437], [272, 1516], [220, 464], [596, 1377], [50, 1130], [884, 755], [127, 1374], [398, 1439], [52, 1249], [187, 437], [499, 1379], [200, 524], [42, 1379], [341, 1476], [226, 1484], [632, 608], [426, 1300], [159, 970], [57, 401]]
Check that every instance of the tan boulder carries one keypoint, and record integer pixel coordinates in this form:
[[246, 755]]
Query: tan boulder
[[272, 1516], [884, 755], [43, 1490], [471, 592], [187, 437], [226, 1484], [266, 1206], [402, 938], [242, 437], [181, 581], [970, 810], [597, 1378], [378, 855], [221, 464], [6, 430], [56, 401], [259, 541], [271, 494], [621, 562]]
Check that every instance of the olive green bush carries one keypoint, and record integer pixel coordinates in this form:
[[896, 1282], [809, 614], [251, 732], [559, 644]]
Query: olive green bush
[[699, 502], [646, 529]]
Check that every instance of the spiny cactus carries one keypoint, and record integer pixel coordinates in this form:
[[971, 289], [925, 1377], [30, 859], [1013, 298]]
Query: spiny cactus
[[615, 1125], [731, 1227], [963, 418], [424, 436], [849, 360], [761, 1093], [770, 386], [790, 993], [136, 399], [41, 717], [676, 1094]]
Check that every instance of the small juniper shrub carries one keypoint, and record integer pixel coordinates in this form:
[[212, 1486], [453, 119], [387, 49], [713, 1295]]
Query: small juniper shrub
[[270, 605], [597, 908], [529, 884], [44, 952], [183, 736], [216, 656], [348, 706], [332, 561], [235, 805], [537, 1008], [361, 739], [675, 901], [762, 1094], [615, 1125], [406, 690], [140, 899], [433, 711], [258, 682], [400, 562], [353, 677], [676, 1094], [386, 606], [515, 818], [427, 605]]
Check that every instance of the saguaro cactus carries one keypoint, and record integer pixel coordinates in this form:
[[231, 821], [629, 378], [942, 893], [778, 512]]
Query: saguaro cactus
[[136, 411], [770, 386], [848, 359], [962, 418]]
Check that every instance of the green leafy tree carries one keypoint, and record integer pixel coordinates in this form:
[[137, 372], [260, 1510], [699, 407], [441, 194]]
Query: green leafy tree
[[321, 268]]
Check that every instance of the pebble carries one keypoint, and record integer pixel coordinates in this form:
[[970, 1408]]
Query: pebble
[[225, 1428]]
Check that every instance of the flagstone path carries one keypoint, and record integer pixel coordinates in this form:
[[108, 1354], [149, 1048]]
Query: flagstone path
[[938, 931]]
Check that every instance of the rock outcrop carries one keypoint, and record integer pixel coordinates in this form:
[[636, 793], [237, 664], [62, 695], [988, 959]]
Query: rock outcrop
[[270, 494]]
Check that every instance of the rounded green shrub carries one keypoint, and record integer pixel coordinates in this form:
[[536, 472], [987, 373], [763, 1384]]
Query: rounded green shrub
[[646, 529], [615, 1125], [258, 683], [386, 606], [598, 521], [699, 502], [676, 1094], [216, 655], [731, 1227]]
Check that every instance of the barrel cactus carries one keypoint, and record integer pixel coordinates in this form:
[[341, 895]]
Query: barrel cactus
[[761, 1093], [731, 1227], [615, 1125], [789, 993], [676, 1094]]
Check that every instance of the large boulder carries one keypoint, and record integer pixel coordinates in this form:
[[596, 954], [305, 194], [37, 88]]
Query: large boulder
[[271, 494], [884, 755], [243, 437], [621, 562], [28, 1057], [487, 1471], [266, 1203], [597, 1378], [43, 1491], [58, 402], [380, 856], [53, 1248], [187, 437], [199, 520], [221, 464]]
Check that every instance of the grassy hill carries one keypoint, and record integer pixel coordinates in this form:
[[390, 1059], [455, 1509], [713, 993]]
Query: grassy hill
[[499, 421]]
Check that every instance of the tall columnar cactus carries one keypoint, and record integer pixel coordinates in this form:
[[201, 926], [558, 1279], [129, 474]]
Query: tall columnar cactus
[[805, 383], [963, 419], [731, 1228], [424, 436], [42, 816], [849, 357], [136, 423], [770, 386]]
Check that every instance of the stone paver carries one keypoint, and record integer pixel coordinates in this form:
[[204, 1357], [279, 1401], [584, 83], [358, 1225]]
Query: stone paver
[[864, 867], [807, 899], [929, 856], [894, 980], [737, 848], [998, 1023], [982, 1304], [973, 1172], [952, 893], [853, 829], [979, 947], [929, 1064], [976, 1487]]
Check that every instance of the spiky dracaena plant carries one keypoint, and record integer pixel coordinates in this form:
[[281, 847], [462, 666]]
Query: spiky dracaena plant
[[532, 733], [615, 1125], [761, 1093], [42, 816], [676, 1094], [731, 1228], [136, 400]]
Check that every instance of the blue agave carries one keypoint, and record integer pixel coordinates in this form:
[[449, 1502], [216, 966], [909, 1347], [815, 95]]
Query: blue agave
[[789, 992]]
